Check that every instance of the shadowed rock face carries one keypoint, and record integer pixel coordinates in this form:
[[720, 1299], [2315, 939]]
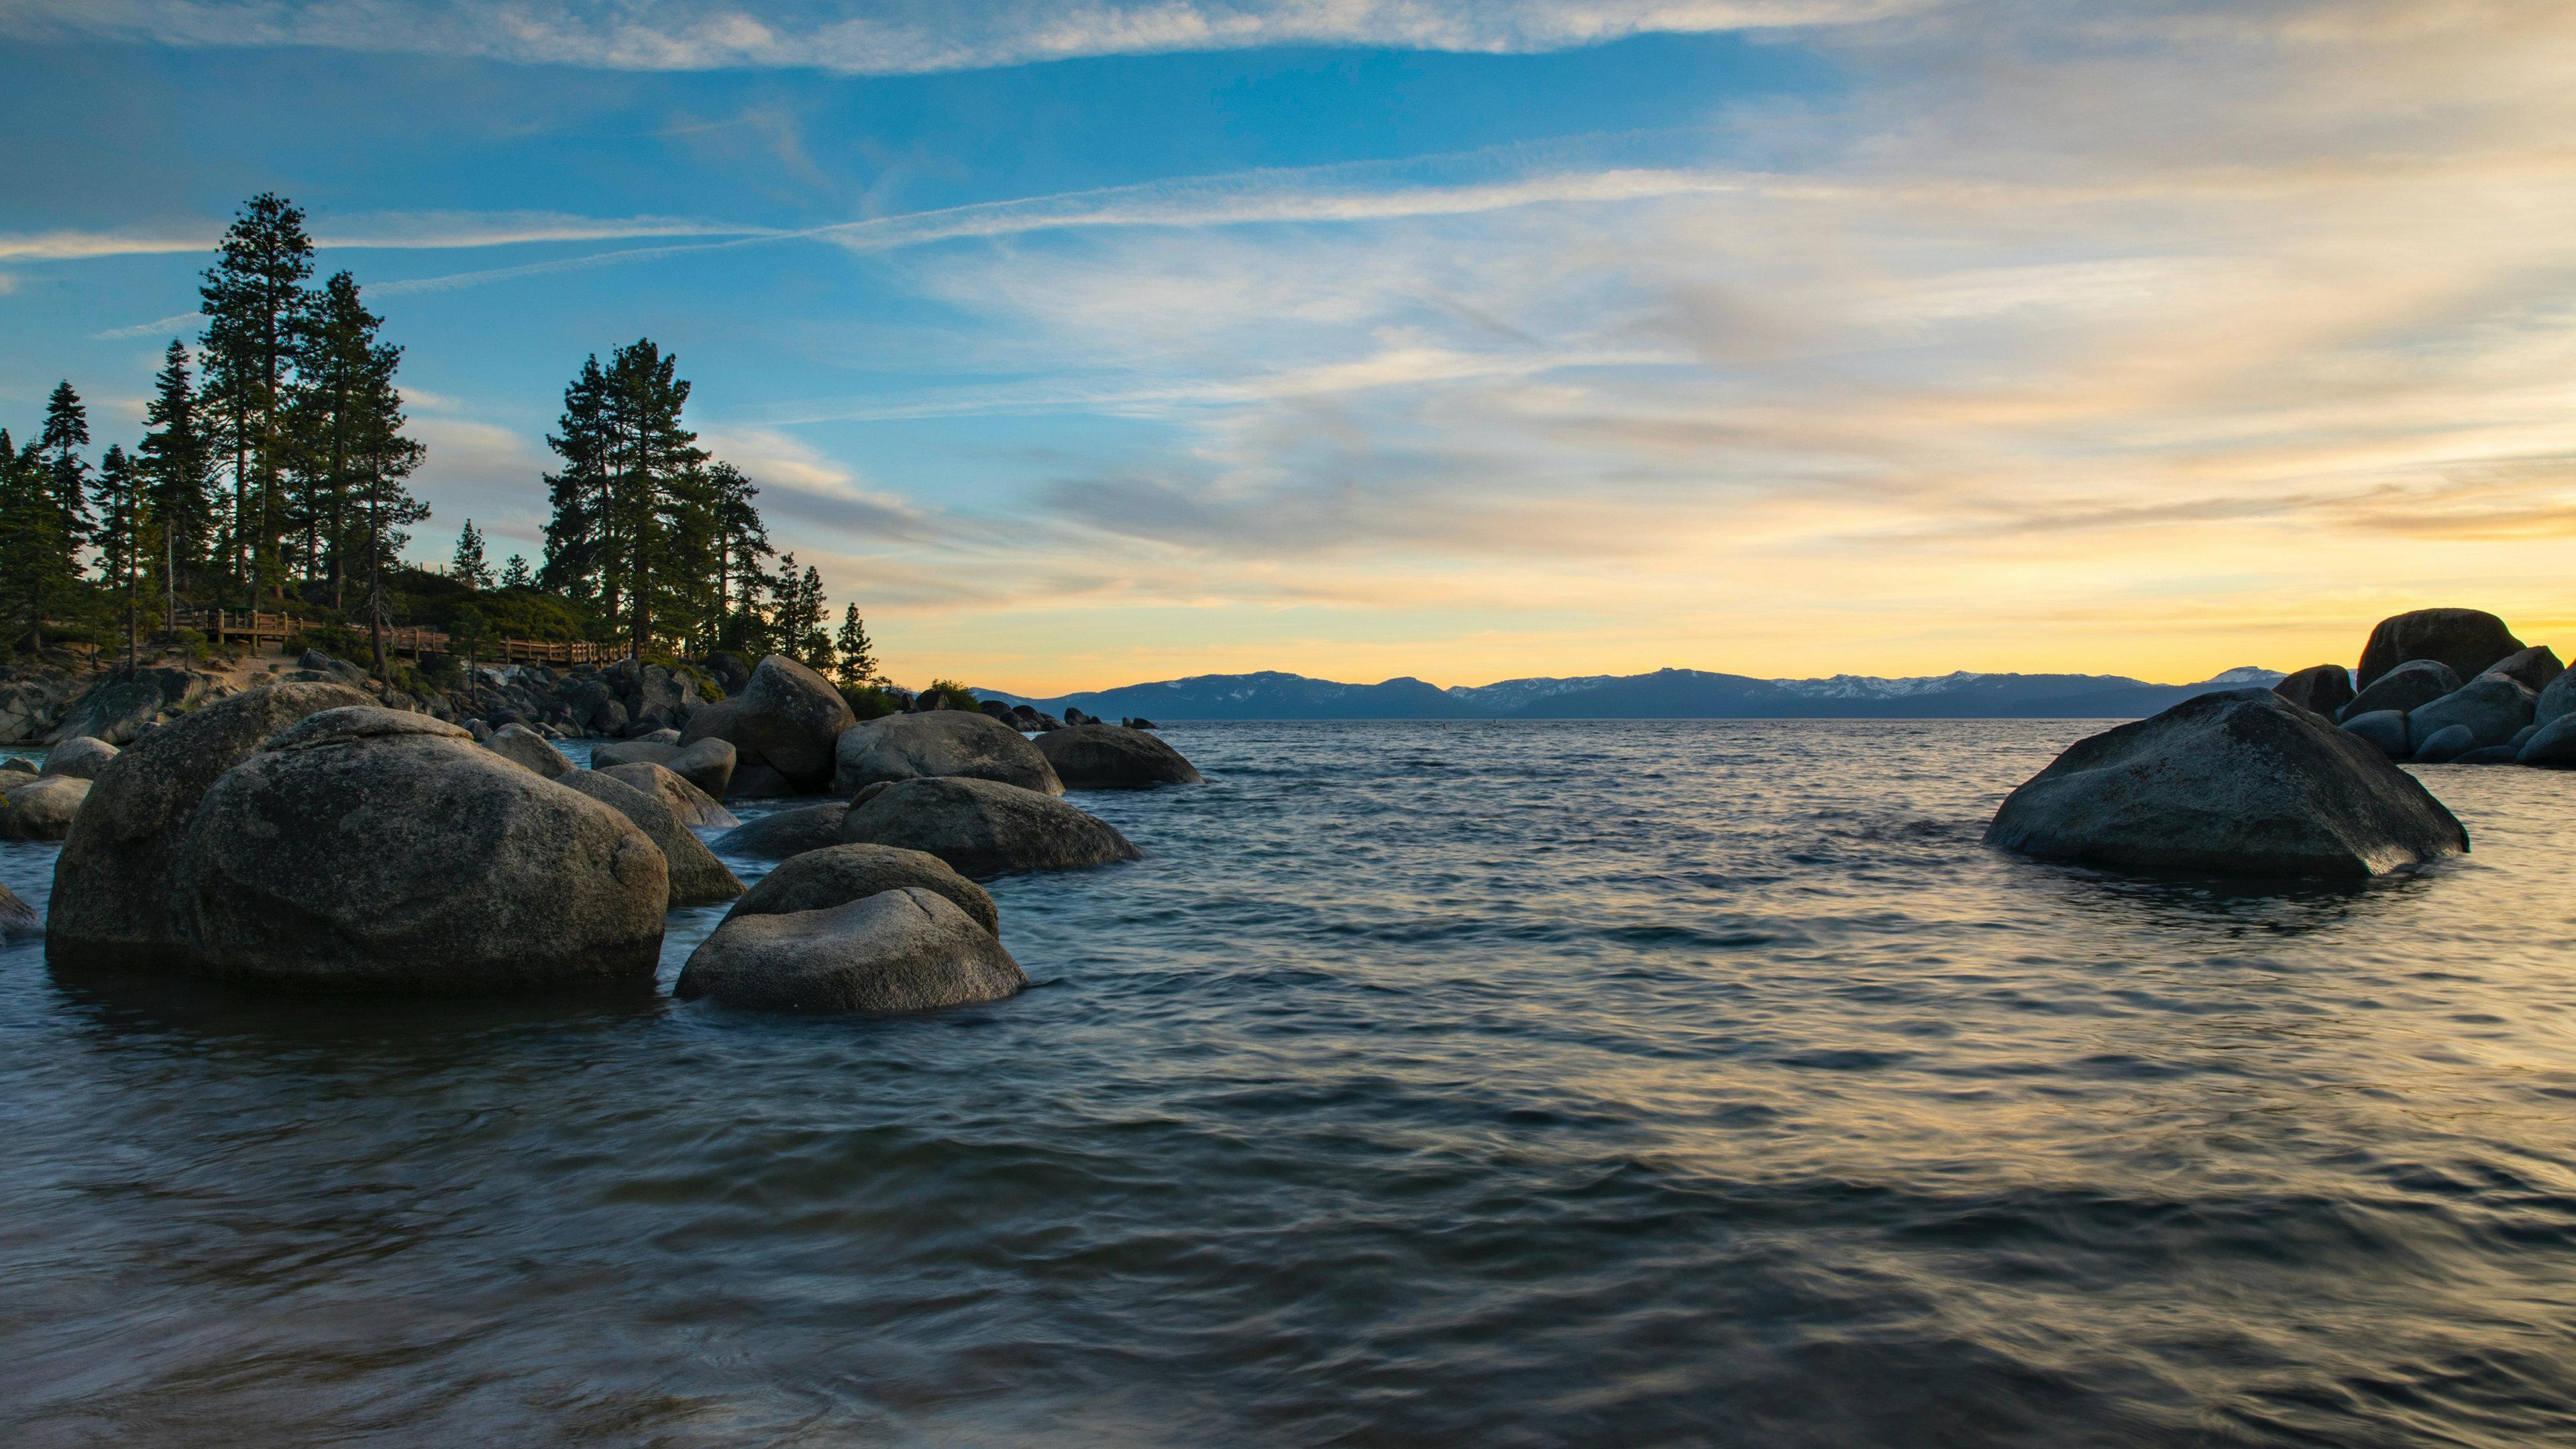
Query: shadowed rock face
[[983, 828], [367, 850], [2235, 783], [2558, 699], [687, 801], [41, 809], [938, 745], [2385, 729], [707, 764], [838, 874], [2536, 667], [2470, 641], [2407, 687], [790, 716], [2324, 688], [2552, 746], [907, 949], [120, 707], [789, 832], [2491, 707], [113, 886], [1109, 757], [697, 877], [2445, 745]]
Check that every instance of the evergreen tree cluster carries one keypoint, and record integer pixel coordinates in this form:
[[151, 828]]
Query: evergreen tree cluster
[[273, 474]]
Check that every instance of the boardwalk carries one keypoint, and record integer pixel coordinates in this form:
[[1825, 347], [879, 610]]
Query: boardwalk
[[220, 625]]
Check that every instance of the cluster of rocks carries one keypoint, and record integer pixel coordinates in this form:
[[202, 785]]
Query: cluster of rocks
[[303, 834], [49, 702], [2302, 779], [2449, 686], [624, 700]]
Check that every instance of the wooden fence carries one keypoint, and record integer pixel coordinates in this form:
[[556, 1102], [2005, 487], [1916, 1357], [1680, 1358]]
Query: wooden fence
[[220, 625]]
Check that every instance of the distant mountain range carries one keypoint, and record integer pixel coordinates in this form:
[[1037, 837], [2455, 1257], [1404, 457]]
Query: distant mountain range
[[1664, 694]]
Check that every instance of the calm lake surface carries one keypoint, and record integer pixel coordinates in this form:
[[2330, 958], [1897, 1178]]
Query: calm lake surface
[[1492, 1084]]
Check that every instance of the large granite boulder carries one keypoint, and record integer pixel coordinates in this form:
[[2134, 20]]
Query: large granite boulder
[[2324, 688], [716, 722], [1110, 757], [17, 918], [786, 832], [696, 876], [838, 874], [529, 750], [122, 705], [2385, 729], [687, 801], [42, 809], [984, 828], [2536, 667], [790, 716], [2406, 688], [2470, 641], [81, 757], [950, 742], [2239, 782], [2552, 746], [907, 949], [369, 850], [114, 887], [2491, 706]]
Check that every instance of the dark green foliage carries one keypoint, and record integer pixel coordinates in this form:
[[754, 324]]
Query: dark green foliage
[[869, 701], [345, 452], [949, 694], [256, 309], [514, 574], [67, 473], [178, 465], [468, 567], [857, 666], [35, 582]]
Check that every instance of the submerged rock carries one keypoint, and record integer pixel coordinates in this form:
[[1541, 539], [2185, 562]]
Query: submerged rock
[[17, 918], [907, 949], [2410, 686], [696, 876], [687, 801], [1111, 757], [2385, 729], [526, 748], [786, 833], [115, 887], [2467, 641], [790, 716], [2490, 755], [42, 809], [838, 874], [984, 828], [938, 745], [81, 758], [2490, 707], [2552, 746], [2240, 782], [2324, 688], [367, 850], [2446, 744]]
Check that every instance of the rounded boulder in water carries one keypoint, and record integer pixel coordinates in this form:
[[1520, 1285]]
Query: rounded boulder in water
[[2468, 641], [43, 809], [2324, 688], [906, 949], [2445, 745], [2407, 687], [941, 744], [2490, 707], [697, 877], [1114, 757], [2240, 782], [370, 850], [984, 828], [785, 833], [691, 804], [80, 758], [838, 874]]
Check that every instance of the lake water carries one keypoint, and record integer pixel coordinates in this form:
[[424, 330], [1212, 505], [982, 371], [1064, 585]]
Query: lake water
[[1427, 1083]]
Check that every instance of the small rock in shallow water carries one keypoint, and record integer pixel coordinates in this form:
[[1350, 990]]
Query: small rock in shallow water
[[787, 832], [2552, 746], [838, 874], [2445, 745], [2384, 728], [17, 918], [42, 810], [80, 758], [939, 745], [528, 749], [907, 949], [687, 801]]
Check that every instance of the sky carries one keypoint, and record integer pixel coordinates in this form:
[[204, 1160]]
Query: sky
[[1084, 342]]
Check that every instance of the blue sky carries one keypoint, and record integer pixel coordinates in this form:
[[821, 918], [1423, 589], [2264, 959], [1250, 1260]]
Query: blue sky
[[1097, 342]]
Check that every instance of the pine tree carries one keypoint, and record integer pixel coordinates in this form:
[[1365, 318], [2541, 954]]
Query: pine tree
[[67, 477], [815, 652], [741, 542], [256, 304], [119, 536], [177, 460], [33, 581], [468, 567], [514, 574], [858, 661], [633, 523], [342, 373]]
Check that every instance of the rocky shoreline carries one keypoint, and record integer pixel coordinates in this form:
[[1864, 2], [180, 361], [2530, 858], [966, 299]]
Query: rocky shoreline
[[313, 834]]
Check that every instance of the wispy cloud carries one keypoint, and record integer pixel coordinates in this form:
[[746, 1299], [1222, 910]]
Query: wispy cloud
[[387, 231], [880, 37]]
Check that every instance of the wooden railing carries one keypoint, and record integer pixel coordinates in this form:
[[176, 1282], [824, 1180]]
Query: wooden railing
[[219, 625]]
